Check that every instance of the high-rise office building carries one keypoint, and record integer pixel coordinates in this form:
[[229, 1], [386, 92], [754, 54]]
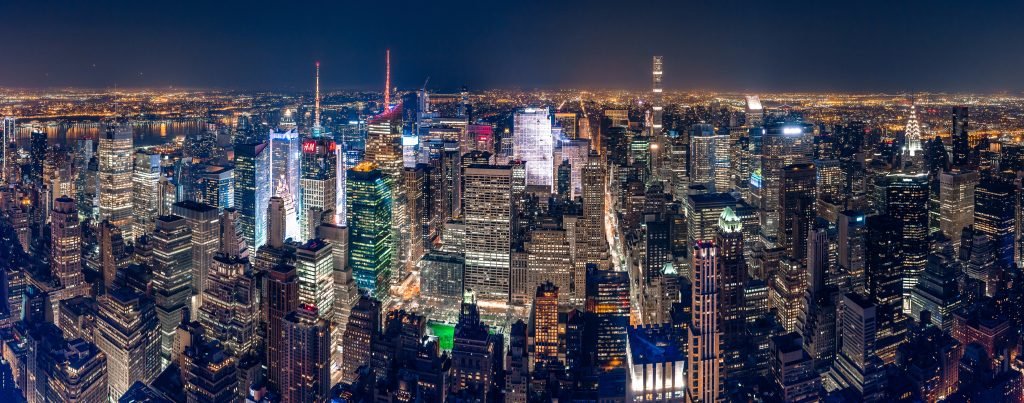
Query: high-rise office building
[[172, 278], [252, 191], [8, 133], [798, 202], [488, 217], [230, 310], [857, 366], [66, 250], [363, 327], [732, 272], [314, 263], [956, 203], [306, 366], [204, 221], [961, 155], [112, 252], [704, 375], [547, 343], [709, 157], [127, 333], [884, 284], [851, 246], [994, 216], [277, 224], [145, 178], [906, 199], [549, 259], [285, 161], [281, 298], [475, 352], [782, 144], [319, 186], [607, 312], [209, 371], [215, 185], [115, 178], [534, 143], [370, 247]]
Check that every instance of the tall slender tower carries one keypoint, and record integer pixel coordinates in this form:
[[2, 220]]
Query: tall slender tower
[[704, 383], [115, 171], [387, 80], [316, 104], [656, 98]]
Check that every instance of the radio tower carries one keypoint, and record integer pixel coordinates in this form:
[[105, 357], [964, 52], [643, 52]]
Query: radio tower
[[387, 80], [316, 104]]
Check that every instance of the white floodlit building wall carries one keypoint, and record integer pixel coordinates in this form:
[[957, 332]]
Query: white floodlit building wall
[[533, 142]]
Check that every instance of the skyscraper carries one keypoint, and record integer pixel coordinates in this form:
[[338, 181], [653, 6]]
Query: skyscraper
[[145, 178], [956, 203], [782, 144], [732, 269], [127, 333], [546, 340], [797, 208], [8, 133], [704, 376], [884, 283], [534, 143], [318, 185], [906, 199], [488, 231], [994, 215], [172, 278], [607, 312], [370, 235], [281, 298], [709, 157], [306, 366], [656, 97], [285, 161], [314, 263], [66, 250], [252, 191], [204, 221], [115, 177], [961, 154], [363, 326]]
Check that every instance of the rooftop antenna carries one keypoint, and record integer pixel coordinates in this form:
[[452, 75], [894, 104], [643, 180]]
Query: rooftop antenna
[[316, 110]]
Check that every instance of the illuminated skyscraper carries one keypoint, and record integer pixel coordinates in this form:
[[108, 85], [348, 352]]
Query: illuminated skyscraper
[[172, 278], [912, 134], [906, 199], [704, 155], [607, 311], [956, 203], [782, 144], [285, 160], [798, 202], [656, 97], [306, 366], [127, 333], [66, 250], [488, 230], [216, 186], [145, 178], [318, 184], [115, 177], [315, 267], [209, 371], [204, 221], [534, 143], [230, 310], [370, 244], [8, 133], [252, 191], [363, 327], [549, 260], [704, 376], [732, 269], [994, 216], [851, 248], [547, 342]]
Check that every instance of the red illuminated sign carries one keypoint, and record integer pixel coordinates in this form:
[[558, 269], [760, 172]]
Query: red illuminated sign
[[309, 147]]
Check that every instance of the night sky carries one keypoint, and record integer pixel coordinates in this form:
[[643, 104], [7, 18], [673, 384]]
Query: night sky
[[859, 46]]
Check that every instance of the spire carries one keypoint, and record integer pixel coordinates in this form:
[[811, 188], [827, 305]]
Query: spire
[[387, 80], [913, 132], [316, 107]]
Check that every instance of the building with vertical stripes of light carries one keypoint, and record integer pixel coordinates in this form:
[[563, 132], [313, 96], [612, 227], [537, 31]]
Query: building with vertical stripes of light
[[115, 178], [488, 216], [704, 376], [533, 142], [371, 249], [253, 191]]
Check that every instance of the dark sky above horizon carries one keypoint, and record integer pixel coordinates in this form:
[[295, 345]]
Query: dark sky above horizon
[[859, 46]]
